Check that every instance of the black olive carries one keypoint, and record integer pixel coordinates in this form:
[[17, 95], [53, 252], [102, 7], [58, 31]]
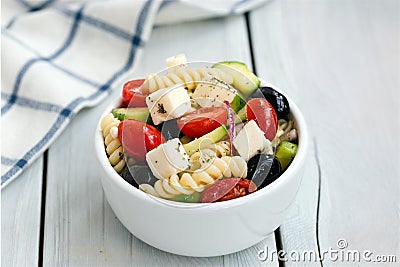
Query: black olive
[[142, 174], [258, 168], [263, 169], [277, 100], [169, 129], [273, 174]]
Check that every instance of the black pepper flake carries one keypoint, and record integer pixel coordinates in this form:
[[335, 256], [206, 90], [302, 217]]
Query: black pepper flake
[[160, 109]]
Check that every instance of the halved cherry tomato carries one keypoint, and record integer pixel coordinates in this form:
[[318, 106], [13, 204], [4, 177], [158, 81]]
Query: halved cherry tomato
[[202, 121], [133, 95], [138, 137], [219, 189], [263, 113]]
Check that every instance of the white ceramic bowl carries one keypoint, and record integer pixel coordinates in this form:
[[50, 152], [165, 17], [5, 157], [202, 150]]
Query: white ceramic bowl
[[204, 230]]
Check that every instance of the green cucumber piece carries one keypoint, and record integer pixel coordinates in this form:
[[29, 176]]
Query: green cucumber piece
[[192, 198], [140, 114], [213, 136], [243, 79], [237, 103], [285, 153], [241, 115]]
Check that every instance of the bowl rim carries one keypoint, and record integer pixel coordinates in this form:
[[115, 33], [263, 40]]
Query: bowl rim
[[282, 180]]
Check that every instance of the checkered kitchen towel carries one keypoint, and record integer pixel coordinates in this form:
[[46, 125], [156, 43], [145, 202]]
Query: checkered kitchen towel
[[53, 61]]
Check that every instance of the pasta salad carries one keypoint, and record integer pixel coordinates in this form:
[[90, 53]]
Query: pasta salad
[[200, 133]]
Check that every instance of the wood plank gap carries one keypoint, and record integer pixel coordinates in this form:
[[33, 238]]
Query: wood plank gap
[[318, 200], [279, 245], [249, 36], [43, 209]]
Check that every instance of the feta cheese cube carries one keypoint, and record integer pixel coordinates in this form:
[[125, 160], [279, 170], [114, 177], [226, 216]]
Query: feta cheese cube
[[168, 103], [212, 92], [251, 141], [167, 159]]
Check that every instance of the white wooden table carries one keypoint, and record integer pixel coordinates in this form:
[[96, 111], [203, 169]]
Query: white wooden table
[[339, 60]]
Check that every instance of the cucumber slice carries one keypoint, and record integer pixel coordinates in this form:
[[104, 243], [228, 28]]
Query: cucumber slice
[[140, 114], [241, 115], [213, 136], [285, 153], [237, 103], [192, 198], [243, 79]]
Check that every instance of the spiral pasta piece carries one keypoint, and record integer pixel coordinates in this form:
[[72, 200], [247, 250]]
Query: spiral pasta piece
[[286, 132], [168, 188], [223, 167], [186, 77], [114, 150], [222, 148], [188, 183], [200, 158]]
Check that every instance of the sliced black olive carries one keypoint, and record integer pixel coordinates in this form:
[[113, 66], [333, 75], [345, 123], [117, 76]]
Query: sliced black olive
[[277, 100], [263, 169], [169, 129], [142, 174]]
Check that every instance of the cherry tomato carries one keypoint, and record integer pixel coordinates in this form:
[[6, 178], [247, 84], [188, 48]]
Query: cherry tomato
[[219, 189], [133, 95], [242, 188], [199, 122], [138, 137], [260, 110]]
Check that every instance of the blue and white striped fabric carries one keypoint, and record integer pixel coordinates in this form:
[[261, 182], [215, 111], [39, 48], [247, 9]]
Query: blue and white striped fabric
[[61, 56]]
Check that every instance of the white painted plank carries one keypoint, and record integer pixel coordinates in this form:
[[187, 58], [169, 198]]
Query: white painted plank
[[254, 256], [81, 228], [340, 63], [20, 218], [298, 232]]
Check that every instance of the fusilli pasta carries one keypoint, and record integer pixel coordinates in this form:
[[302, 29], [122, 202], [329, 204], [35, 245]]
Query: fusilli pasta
[[222, 148], [115, 152], [200, 158], [286, 132], [188, 183], [185, 77]]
